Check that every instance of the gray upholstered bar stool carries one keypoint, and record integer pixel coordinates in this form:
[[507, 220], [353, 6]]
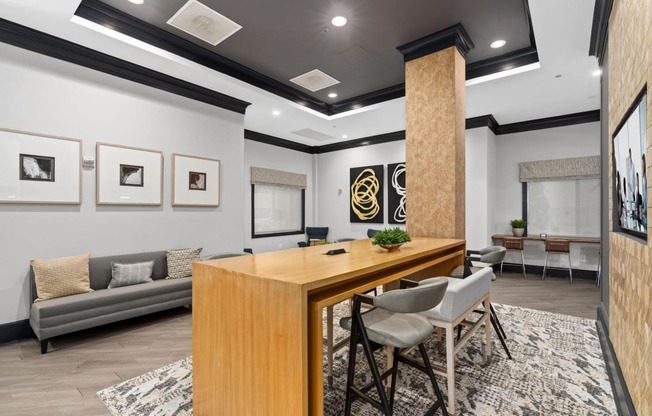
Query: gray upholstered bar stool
[[516, 244], [393, 322], [558, 246]]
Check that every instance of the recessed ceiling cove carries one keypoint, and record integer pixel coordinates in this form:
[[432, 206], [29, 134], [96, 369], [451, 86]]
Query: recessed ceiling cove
[[315, 80], [203, 22]]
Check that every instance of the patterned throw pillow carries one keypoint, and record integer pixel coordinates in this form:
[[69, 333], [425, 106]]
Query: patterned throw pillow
[[60, 277], [180, 262], [127, 274]]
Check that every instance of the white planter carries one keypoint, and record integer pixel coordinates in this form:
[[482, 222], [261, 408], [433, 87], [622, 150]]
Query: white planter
[[518, 232]]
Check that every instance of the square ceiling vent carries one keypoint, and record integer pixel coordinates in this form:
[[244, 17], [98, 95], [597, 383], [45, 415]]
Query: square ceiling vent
[[314, 80], [203, 22]]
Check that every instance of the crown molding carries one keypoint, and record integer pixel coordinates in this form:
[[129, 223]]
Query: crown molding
[[511, 60], [365, 141], [277, 141], [54, 47], [550, 122], [600, 29], [452, 36], [483, 121]]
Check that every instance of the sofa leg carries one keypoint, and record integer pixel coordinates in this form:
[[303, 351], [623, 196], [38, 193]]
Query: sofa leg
[[44, 346]]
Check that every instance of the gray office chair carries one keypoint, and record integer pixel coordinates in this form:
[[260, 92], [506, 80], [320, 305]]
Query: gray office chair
[[371, 232], [557, 246], [490, 256], [393, 322], [314, 233]]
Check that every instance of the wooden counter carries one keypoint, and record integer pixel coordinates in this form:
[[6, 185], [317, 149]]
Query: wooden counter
[[588, 240], [257, 320]]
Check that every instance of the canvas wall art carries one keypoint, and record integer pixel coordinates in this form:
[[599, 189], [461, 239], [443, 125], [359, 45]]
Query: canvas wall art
[[396, 193], [366, 184]]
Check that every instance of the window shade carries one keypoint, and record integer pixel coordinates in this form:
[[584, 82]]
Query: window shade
[[264, 176], [560, 169]]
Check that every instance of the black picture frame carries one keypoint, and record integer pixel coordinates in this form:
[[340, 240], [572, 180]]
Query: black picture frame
[[129, 175], [36, 168]]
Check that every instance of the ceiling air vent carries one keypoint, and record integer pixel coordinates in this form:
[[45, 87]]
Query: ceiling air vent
[[313, 134], [315, 80], [203, 22]]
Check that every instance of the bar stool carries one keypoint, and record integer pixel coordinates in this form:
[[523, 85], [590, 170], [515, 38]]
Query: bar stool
[[560, 247], [514, 243], [393, 322]]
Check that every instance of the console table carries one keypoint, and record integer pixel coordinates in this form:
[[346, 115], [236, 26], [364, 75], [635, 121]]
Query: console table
[[589, 240], [257, 320]]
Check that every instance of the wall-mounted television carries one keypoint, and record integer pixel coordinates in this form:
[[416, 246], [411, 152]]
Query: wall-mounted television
[[630, 179]]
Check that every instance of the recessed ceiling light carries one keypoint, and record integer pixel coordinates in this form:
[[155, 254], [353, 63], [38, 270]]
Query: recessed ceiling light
[[276, 113], [339, 21], [344, 136], [498, 44], [558, 76], [137, 1], [596, 73], [332, 95]]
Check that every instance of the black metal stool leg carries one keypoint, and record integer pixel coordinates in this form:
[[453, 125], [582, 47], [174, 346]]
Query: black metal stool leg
[[435, 386], [392, 391], [351, 371], [495, 315], [378, 381], [500, 337]]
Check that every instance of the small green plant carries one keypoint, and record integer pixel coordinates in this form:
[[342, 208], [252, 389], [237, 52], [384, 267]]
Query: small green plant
[[391, 236], [518, 223]]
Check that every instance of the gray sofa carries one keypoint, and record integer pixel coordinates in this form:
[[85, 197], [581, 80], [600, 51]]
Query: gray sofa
[[53, 317]]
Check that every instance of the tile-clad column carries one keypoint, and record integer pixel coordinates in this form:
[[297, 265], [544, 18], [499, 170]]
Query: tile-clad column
[[435, 124]]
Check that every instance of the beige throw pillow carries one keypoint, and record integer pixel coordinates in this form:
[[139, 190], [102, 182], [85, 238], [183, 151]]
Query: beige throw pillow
[[60, 277], [180, 262]]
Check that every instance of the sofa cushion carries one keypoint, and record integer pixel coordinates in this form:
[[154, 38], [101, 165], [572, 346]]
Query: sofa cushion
[[180, 262], [127, 274], [64, 276], [107, 298], [100, 267]]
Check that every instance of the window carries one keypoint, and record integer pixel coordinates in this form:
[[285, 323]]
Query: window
[[567, 208], [278, 202]]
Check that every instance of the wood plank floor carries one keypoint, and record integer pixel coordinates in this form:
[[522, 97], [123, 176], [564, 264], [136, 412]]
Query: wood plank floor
[[64, 381]]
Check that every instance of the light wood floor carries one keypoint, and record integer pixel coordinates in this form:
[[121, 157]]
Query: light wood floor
[[64, 381]]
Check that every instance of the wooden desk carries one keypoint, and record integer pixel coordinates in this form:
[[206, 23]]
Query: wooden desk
[[588, 240], [257, 320]]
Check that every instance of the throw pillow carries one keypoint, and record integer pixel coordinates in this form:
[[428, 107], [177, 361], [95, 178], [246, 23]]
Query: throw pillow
[[180, 262], [60, 277], [127, 274]]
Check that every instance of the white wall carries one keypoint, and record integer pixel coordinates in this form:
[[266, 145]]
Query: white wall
[[480, 186], [273, 157], [44, 95], [556, 143], [333, 186]]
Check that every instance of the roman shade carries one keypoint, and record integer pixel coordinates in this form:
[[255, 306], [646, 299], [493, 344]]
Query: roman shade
[[573, 168], [264, 176]]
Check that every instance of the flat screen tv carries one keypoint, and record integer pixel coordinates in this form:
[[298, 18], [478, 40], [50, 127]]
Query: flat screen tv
[[630, 179]]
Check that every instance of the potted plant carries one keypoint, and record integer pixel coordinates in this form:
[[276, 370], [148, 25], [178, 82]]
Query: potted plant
[[391, 238], [518, 227]]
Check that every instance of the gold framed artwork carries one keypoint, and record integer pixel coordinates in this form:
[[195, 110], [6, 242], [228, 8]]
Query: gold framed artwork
[[39, 169], [128, 175], [195, 181]]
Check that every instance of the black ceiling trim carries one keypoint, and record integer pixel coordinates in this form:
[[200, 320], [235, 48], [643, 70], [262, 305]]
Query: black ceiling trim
[[550, 122], [52, 46], [600, 28], [375, 97], [105, 15], [276, 141], [453, 36], [528, 18], [501, 63], [365, 141], [483, 121]]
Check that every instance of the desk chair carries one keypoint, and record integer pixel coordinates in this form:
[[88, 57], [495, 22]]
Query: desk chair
[[486, 257], [314, 233], [393, 322], [558, 246], [371, 232], [516, 244]]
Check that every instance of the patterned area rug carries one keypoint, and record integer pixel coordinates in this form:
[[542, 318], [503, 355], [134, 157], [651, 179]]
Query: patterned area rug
[[557, 370]]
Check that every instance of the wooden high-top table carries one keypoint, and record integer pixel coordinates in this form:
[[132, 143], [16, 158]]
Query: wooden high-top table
[[257, 320]]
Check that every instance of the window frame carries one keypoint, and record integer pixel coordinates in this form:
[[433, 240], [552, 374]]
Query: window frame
[[279, 234]]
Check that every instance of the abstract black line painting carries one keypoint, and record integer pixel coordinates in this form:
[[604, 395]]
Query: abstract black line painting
[[396, 193]]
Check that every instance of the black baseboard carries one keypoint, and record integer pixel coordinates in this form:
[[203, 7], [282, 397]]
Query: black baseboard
[[623, 400], [550, 272], [15, 331]]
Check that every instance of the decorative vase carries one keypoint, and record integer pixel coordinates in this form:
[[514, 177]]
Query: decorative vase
[[518, 232], [391, 247]]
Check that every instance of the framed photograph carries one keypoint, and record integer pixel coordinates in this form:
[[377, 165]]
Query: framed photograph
[[131, 175], [28, 162], [195, 181], [36, 168], [128, 175]]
